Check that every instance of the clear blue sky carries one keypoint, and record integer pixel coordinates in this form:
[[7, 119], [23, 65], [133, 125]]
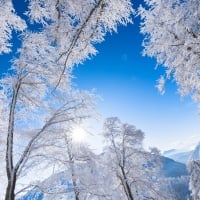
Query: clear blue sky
[[126, 81]]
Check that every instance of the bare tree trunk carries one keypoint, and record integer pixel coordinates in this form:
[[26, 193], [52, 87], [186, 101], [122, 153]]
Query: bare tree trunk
[[11, 172], [71, 163], [10, 190], [76, 191], [126, 186]]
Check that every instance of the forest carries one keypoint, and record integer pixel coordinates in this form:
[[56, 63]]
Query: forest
[[44, 40]]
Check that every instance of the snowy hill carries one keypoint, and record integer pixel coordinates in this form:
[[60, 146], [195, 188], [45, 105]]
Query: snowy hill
[[178, 155], [195, 154], [53, 184], [183, 156], [177, 175], [172, 168], [174, 171]]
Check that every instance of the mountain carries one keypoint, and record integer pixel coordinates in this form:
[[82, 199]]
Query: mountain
[[172, 168], [183, 156], [175, 172], [177, 176], [178, 155], [53, 184], [195, 154], [33, 195]]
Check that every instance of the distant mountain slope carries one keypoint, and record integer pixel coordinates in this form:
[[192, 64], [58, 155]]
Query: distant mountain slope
[[33, 195], [172, 168], [174, 171], [53, 184], [177, 175], [195, 154], [177, 155], [183, 156]]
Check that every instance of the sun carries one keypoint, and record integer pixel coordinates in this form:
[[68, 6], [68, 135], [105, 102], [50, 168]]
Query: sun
[[79, 135]]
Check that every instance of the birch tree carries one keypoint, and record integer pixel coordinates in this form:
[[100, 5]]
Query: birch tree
[[194, 169], [135, 170], [172, 35], [82, 170], [37, 97], [78, 174], [35, 118]]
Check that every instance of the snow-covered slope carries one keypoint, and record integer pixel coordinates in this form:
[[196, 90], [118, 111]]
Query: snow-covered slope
[[183, 156], [177, 175], [178, 155], [55, 184], [195, 155], [171, 169]]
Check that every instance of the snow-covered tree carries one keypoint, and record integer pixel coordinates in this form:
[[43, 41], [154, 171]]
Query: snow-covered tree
[[36, 96], [135, 171], [35, 120], [9, 21], [78, 174], [172, 35], [178, 187], [79, 164], [72, 27], [194, 169]]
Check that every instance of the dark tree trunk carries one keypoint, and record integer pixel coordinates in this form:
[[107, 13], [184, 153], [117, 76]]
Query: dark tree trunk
[[10, 190], [126, 186], [11, 171], [74, 182]]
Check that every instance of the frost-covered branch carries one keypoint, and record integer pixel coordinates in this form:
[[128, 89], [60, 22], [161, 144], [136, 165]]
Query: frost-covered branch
[[171, 30]]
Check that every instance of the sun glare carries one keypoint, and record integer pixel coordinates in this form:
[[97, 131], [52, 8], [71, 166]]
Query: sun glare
[[79, 135]]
